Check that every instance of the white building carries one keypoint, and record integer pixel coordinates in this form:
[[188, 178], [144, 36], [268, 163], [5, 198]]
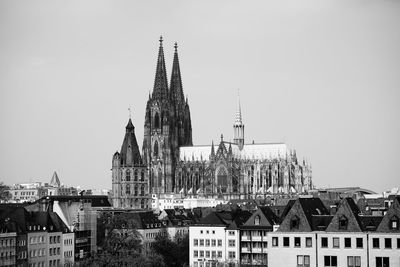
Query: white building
[[215, 239]]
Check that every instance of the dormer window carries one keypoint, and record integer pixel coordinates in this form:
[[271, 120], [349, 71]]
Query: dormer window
[[257, 220], [343, 222], [394, 223], [294, 223]]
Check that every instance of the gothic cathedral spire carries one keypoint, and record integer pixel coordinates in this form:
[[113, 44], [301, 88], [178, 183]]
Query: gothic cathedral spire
[[167, 126], [160, 89], [238, 127]]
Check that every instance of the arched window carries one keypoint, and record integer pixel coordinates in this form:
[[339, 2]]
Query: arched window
[[128, 189], [222, 180], [142, 176], [136, 190], [257, 220], [135, 175], [157, 121], [142, 204], [128, 175], [155, 149]]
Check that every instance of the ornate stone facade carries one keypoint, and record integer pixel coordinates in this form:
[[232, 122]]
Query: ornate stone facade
[[129, 174], [171, 164], [167, 126]]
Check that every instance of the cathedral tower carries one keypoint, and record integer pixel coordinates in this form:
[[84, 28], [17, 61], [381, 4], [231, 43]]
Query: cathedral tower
[[238, 129], [167, 126]]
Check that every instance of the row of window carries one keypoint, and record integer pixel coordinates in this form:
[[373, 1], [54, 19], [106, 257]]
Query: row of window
[[36, 239], [22, 255], [204, 264], [54, 251], [37, 252], [54, 239], [135, 175], [207, 254], [6, 254], [207, 232], [332, 261], [54, 263], [296, 241], [254, 245], [67, 254], [37, 264], [386, 241], [257, 233], [208, 242], [9, 242], [68, 242], [347, 242], [135, 192]]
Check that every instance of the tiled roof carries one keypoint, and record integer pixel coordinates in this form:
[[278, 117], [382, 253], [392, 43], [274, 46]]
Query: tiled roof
[[321, 222], [313, 206], [370, 223]]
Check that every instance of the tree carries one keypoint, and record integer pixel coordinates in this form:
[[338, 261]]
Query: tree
[[174, 252], [5, 194], [119, 241]]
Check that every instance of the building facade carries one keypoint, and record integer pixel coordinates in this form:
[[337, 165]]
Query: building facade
[[170, 164], [129, 174]]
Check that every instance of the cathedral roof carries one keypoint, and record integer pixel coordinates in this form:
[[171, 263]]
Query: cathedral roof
[[160, 89], [130, 154], [250, 151]]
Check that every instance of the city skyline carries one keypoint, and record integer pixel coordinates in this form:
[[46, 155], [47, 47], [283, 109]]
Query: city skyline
[[325, 86]]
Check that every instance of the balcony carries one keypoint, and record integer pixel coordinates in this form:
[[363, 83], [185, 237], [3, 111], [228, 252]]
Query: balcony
[[246, 250], [256, 238], [256, 250]]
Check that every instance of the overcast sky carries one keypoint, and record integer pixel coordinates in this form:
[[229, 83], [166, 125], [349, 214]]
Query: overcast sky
[[322, 76]]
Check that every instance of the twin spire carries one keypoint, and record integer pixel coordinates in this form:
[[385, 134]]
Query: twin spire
[[160, 89]]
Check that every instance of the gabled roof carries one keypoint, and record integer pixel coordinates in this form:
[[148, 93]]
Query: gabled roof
[[212, 219], [267, 219], [370, 223], [321, 222], [393, 213], [303, 211], [47, 220], [225, 218], [347, 210]]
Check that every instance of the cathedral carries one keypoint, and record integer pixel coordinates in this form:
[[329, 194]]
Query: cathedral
[[170, 164]]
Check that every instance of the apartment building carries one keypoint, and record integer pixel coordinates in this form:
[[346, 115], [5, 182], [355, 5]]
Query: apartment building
[[254, 237], [214, 240]]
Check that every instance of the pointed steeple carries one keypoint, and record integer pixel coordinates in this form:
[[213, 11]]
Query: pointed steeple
[[55, 181], [176, 88], [238, 119], [160, 89], [130, 154], [238, 127]]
